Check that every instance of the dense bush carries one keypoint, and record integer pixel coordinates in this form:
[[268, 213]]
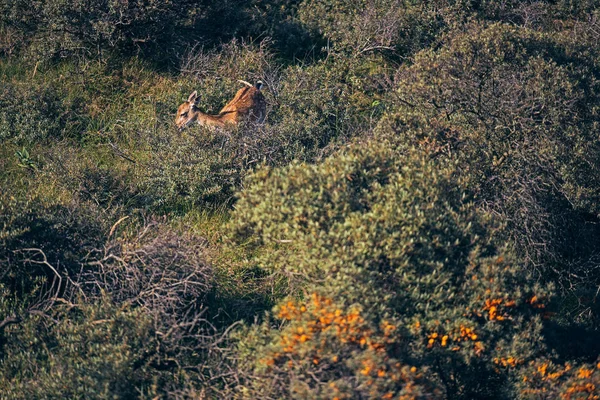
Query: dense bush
[[37, 234], [393, 27], [156, 29], [78, 351], [34, 113], [518, 110], [543, 379], [89, 27], [136, 312], [405, 271]]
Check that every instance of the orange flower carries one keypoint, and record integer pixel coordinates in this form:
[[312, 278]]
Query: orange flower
[[584, 373]]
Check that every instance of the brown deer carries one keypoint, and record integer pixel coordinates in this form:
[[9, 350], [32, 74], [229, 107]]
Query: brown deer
[[248, 104]]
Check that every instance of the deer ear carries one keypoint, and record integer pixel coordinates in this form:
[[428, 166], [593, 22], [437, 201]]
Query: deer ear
[[193, 97], [258, 85]]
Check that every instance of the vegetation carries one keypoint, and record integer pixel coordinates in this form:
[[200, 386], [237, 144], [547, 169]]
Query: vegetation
[[417, 218]]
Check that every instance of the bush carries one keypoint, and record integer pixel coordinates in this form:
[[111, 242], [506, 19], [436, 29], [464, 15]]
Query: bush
[[33, 114], [78, 351], [132, 321], [544, 379], [59, 28], [158, 270], [394, 240], [329, 350], [36, 235], [392, 27], [92, 29], [517, 110]]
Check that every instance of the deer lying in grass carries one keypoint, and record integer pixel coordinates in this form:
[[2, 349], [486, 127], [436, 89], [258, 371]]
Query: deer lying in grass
[[248, 104]]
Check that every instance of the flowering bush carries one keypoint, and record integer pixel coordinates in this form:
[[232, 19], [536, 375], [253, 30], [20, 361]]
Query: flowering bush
[[417, 277]]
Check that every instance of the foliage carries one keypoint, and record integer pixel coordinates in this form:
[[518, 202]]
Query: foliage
[[311, 109], [33, 115], [517, 109], [100, 28], [417, 218], [393, 237], [543, 379], [53, 355], [362, 27]]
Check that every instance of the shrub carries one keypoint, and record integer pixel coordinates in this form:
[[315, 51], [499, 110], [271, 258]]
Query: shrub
[[34, 114], [158, 270], [59, 28], [78, 351], [155, 29], [36, 235], [329, 350], [395, 240], [517, 109], [543, 379], [363, 27], [132, 320]]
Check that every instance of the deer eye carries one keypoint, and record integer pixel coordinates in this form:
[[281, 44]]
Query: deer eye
[[184, 114]]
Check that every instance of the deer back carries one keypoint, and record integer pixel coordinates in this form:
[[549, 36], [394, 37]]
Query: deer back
[[248, 103]]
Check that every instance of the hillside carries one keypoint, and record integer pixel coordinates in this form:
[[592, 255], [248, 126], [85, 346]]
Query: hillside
[[418, 217]]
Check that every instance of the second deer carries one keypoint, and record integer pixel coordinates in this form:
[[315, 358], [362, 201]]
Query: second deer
[[248, 104]]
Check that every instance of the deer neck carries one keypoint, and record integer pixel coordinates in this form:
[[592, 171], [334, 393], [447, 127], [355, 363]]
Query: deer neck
[[207, 119]]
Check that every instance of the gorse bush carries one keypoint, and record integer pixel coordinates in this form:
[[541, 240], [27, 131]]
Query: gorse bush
[[546, 380], [360, 28], [70, 342], [393, 239], [517, 108]]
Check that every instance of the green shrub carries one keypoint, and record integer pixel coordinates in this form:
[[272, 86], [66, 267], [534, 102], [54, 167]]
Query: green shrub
[[35, 235], [363, 27], [32, 114], [517, 109], [92, 29], [392, 237], [78, 351]]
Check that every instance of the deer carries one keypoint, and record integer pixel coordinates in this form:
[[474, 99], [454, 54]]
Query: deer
[[248, 104]]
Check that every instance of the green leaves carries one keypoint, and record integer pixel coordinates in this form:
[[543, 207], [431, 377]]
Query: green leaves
[[395, 234], [25, 160]]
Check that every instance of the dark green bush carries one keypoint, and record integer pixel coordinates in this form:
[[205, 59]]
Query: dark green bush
[[517, 109], [35, 235], [394, 238], [157, 30], [89, 27], [33, 113], [394, 27], [78, 351]]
